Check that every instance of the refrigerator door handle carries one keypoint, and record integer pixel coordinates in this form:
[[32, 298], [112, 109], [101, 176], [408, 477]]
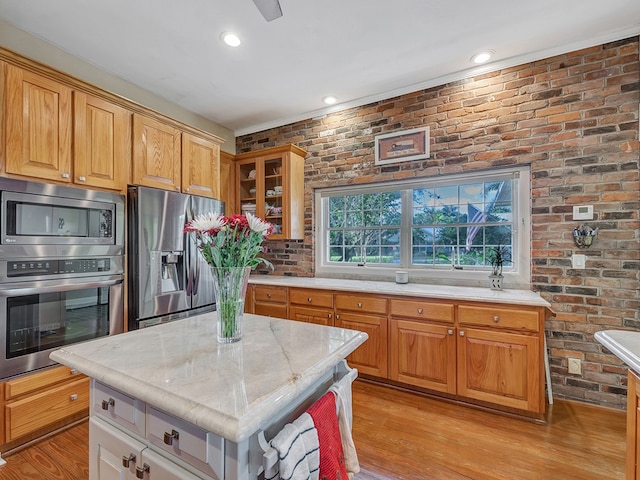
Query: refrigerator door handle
[[189, 281], [196, 281]]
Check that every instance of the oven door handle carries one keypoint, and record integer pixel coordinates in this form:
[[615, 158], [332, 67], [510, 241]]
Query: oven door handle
[[18, 289]]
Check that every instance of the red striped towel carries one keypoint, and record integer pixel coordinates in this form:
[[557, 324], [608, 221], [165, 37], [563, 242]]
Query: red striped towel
[[323, 412]]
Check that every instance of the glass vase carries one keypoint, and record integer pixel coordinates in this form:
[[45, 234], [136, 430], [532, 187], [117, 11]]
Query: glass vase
[[230, 287]]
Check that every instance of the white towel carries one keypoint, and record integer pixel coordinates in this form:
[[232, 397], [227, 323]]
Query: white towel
[[342, 391], [298, 451]]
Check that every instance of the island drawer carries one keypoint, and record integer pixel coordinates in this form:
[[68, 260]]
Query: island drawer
[[311, 297], [439, 312], [119, 407], [199, 448], [361, 303], [499, 317]]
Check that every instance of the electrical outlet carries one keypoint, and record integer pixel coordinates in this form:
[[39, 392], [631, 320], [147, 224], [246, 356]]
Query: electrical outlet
[[575, 367]]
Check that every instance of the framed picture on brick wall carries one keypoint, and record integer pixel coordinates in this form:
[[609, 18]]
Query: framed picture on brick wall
[[404, 146]]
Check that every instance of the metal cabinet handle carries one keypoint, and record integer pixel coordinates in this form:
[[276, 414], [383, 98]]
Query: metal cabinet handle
[[462, 334], [73, 396], [140, 470], [170, 437], [450, 331], [73, 371], [329, 315], [64, 175], [337, 317], [309, 299], [108, 403], [127, 460], [496, 318], [82, 179], [268, 295], [359, 305], [420, 311], [178, 189]]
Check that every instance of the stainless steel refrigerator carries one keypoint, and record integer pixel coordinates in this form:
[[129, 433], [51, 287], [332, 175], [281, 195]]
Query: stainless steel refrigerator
[[168, 278]]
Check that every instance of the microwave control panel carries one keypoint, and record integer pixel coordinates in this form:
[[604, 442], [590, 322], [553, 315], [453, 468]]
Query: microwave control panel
[[56, 267]]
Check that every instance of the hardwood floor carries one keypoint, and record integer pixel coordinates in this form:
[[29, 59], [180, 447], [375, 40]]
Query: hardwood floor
[[401, 435]]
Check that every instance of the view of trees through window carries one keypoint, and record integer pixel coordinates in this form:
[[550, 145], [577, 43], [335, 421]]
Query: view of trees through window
[[458, 223]]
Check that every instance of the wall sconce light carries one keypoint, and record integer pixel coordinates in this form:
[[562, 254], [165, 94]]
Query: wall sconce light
[[583, 236]]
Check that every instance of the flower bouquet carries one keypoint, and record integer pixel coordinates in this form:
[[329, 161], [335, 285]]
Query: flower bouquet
[[231, 246]]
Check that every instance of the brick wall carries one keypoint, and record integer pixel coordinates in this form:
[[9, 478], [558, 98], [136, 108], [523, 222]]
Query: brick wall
[[574, 118]]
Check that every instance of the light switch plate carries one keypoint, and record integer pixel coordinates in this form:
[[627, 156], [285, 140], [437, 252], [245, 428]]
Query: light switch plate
[[578, 261], [583, 212]]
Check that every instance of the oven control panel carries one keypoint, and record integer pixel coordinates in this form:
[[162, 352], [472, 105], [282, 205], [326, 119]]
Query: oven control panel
[[56, 267]]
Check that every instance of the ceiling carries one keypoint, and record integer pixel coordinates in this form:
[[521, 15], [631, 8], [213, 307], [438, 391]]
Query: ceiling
[[358, 50]]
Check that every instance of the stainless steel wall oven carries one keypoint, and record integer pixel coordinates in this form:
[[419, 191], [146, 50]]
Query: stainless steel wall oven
[[61, 270]]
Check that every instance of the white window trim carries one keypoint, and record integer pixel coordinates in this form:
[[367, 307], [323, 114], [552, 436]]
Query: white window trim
[[519, 278]]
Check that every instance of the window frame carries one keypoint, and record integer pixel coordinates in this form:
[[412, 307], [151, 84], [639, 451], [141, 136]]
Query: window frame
[[517, 276]]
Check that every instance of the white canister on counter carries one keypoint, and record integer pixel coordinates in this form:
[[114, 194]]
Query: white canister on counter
[[402, 277]]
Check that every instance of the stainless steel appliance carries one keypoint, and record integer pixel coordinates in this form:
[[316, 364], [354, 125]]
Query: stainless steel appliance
[[61, 270], [168, 278]]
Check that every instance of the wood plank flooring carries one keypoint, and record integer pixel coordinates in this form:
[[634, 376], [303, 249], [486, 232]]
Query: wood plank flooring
[[402, 435]]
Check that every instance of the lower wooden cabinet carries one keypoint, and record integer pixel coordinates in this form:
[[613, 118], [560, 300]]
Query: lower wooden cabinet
[[270, 301], [369, 358], [423, 354], [633, 427], [41, 402]]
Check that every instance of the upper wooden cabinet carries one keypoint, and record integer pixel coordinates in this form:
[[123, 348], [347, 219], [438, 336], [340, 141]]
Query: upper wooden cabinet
[[270, 184], [200, 166], [156, 153], [228, 183], [171, 159], [38, 113], [102, 142]]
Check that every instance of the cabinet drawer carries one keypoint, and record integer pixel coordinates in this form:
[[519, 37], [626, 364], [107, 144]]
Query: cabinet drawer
[[36, 381], [361, 303], [440, 312], [501, 317], [39, 410], [311, 297], [270, 294], [118, 407], [197, 447]]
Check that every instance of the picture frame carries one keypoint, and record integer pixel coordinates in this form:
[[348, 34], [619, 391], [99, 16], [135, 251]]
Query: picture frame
[[405, 146]]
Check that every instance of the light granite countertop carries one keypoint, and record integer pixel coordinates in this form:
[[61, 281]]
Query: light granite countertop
[[232, 390], [510, 296], [624, 344]]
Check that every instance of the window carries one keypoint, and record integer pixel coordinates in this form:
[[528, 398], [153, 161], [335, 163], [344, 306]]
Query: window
[[446, 226]]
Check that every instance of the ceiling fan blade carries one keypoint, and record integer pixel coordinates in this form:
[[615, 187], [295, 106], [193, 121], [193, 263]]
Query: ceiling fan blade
[[270, 9]]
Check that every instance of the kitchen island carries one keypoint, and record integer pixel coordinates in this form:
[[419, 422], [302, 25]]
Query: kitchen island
[[171, 398]]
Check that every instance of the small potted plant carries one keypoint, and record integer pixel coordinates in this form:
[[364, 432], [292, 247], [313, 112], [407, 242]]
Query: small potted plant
[[497, 257]]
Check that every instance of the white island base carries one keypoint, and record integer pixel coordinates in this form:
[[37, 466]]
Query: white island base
[[169, 402]]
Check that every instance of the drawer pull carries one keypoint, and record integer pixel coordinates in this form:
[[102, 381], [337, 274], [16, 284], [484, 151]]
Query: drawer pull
[[170, 437], [462, 334], [108, 403], [268, 295], [450, 331], [329, 315], [420, 311], [359, 305], [73, 396], [64, 175], [127, 460], [309, 299], [82, 179], [496, 318], [73, 371], [141, 470]]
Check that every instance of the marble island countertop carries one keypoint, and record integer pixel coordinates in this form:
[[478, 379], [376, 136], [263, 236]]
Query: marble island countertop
[[624, 344], [510, 296], [231, 390]]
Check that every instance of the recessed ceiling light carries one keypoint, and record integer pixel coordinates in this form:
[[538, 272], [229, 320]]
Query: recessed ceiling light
[[482, 57], [329, 99], [230, 39]]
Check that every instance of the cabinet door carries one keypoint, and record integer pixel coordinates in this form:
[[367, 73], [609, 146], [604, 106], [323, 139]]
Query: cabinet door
[[423, 354], [37, 411], [38, 126], [228, 183], [270, 309], [102, 142], [200, 166], [319, 316], [633, 427], [156, 154], [501, 368], [371, 357], [108, 446]]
